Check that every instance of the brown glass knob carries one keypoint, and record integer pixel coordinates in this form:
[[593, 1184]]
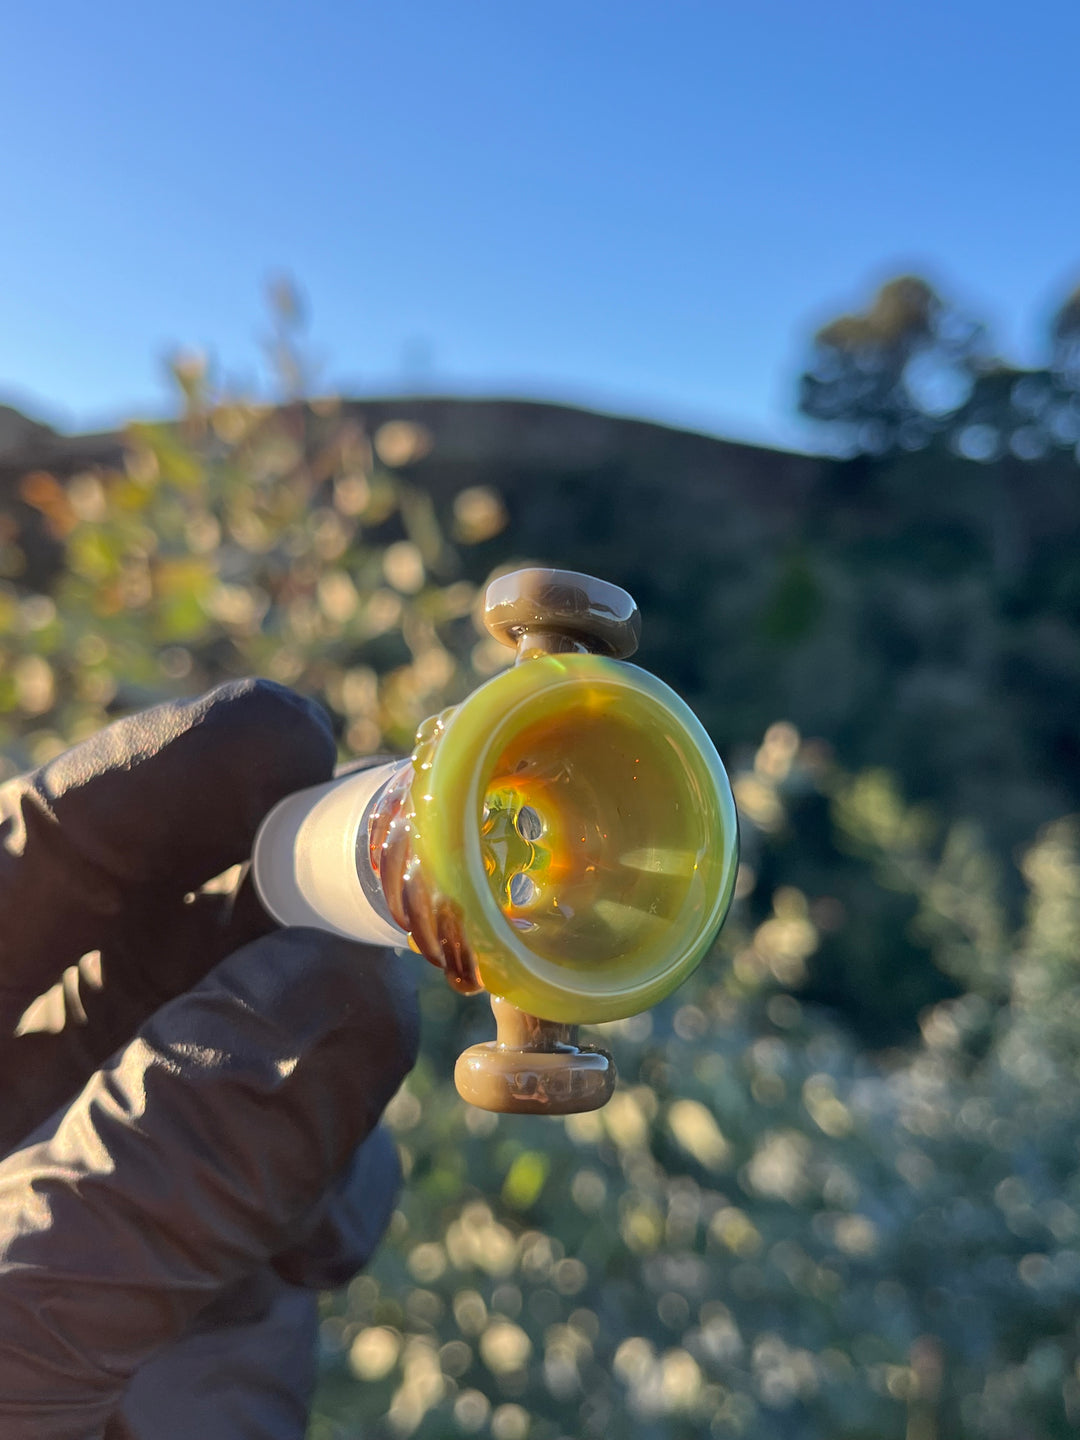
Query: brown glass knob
[[533, 1068], [553, 611]]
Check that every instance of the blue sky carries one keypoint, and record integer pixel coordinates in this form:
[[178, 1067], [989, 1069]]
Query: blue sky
[[641, 206]]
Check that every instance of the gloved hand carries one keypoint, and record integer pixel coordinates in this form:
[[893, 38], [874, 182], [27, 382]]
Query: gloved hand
[[189, 1096]]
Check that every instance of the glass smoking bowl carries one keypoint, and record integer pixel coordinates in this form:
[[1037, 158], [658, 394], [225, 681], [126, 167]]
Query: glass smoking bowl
[[565, 838]]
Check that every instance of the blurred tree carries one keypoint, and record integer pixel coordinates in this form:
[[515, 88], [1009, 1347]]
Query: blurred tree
[[892, 376], [913, 369], [1065, 337]]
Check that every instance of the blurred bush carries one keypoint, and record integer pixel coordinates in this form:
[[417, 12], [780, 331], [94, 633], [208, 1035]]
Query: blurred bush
[[767, 1231], [770, 1230]]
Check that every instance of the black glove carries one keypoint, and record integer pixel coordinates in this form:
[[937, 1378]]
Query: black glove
[[190, 1097]]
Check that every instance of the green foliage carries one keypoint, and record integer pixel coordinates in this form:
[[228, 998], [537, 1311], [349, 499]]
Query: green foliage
[[770, 1230], [244, 540], [796, 604]]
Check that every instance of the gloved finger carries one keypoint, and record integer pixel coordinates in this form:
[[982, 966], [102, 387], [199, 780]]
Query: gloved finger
[[247, 1364], [138, 815], [192, 1159], [65, 1034], [351, 1219], [188, 934], [245, 1368]]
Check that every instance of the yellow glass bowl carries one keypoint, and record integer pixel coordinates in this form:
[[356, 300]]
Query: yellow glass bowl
[[577, 814]]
